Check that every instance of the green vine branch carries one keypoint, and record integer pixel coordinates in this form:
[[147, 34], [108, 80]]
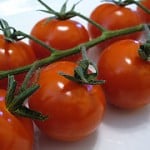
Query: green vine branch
[[101, 28], [24, 35], [56, 55], [12, 35]]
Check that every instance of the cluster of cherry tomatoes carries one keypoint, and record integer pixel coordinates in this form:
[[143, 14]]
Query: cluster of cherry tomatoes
[[76, 110]]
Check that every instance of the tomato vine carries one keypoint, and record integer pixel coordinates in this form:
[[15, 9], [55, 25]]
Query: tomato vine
[[57, 54]]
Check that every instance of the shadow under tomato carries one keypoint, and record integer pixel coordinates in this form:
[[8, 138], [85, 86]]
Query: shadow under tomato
[[127, 120], [45, 143]]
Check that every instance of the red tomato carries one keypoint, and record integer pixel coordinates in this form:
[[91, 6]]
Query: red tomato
[[59, 34], [75, 110], [112, 17], [127, 75], [16, 133], [143, 15], [14, 55]]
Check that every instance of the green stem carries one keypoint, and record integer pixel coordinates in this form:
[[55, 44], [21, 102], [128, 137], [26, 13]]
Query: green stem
[[4, 25], [6, 29], [11, 90], [11, 34], [28, 76], [142, 7], [19, 99], [128, 2], [89, 20], [47, 7], [56, 55], [20, 33], [16, 96]]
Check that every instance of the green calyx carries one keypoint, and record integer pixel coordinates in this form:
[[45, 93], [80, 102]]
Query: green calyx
[[63, 14], [15, 98], [124, 2], [82, 74], [10, 33], [144, 51]]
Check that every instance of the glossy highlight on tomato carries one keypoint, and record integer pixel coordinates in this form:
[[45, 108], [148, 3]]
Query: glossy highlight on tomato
[[112, 17], [74, 110], [14, 55], [16, 133], [59, 34], [127, 75]]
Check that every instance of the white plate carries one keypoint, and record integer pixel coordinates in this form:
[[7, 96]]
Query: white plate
[[119, 130]]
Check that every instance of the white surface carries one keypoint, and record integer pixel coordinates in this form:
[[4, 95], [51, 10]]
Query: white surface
[[120, 130]]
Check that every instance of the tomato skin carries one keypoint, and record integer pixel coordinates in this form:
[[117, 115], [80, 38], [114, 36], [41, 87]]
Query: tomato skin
[[112, 17], [14, 55], [59, 34], [143, 15], [16, 133], [74, 110], [127, 75]]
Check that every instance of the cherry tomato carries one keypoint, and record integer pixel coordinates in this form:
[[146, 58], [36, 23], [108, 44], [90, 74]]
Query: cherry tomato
[[127, 75], [74, 110], [143, 15], [14, 55], [16, 133], [59, 34], [112, 17]]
